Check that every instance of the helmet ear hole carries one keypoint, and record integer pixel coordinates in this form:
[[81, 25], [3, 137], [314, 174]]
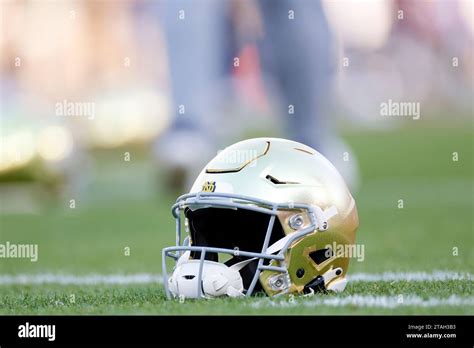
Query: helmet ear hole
[[321, 255]]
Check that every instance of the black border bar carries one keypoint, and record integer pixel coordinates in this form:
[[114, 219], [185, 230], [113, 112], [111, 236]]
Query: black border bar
[[242, 330]]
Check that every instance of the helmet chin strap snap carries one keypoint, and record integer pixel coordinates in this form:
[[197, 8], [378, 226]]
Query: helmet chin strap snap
[[325, 282]]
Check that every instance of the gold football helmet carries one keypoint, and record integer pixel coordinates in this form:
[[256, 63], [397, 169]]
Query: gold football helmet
[[264, 215]]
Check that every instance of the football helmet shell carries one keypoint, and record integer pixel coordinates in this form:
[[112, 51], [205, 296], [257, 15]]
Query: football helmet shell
[[302, 194]]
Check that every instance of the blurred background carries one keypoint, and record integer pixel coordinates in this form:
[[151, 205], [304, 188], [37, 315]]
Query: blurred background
[[108, 110]]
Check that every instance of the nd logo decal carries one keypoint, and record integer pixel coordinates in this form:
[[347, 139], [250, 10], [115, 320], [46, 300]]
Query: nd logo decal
[[209, 186]]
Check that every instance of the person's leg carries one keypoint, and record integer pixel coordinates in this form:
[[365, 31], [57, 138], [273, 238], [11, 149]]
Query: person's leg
[[195, 33], [297, 54]]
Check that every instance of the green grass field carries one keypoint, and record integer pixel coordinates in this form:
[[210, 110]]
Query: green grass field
[[122, 210]]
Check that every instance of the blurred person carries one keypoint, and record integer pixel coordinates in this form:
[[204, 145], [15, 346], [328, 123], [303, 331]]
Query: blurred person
[[196, 41], [295, 46]]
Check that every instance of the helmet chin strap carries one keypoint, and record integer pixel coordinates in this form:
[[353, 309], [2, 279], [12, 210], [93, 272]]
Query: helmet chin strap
[[219, 279], [322, 216]]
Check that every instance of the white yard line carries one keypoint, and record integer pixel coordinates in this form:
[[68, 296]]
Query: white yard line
[[90, 279], [368, 301], [146, 278], [409, 276]]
